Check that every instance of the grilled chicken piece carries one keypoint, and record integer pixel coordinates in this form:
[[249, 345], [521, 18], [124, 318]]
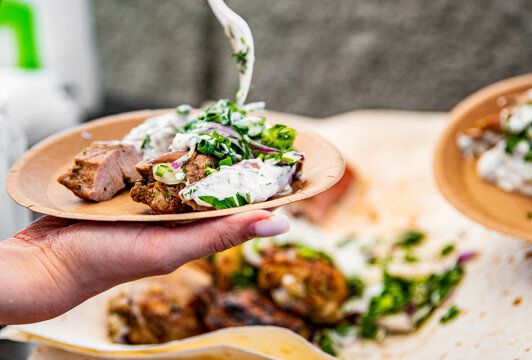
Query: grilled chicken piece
[[101, 170], [164, 198], [311, 288], [154, 315], [246, 307]]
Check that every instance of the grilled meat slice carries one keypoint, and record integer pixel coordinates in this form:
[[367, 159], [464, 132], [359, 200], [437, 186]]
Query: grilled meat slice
[[154, 315], [101, 170], [246, 307], [311, 288], [164, 198]]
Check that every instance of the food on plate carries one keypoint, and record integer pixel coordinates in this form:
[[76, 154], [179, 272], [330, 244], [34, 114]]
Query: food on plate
[[332, 289], [502, 144], [101, 170], [221, 158]]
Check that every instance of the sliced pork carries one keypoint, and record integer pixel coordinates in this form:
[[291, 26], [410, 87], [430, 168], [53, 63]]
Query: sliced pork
[[101, 170]]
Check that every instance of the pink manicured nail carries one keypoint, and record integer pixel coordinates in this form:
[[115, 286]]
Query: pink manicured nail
[[275, 225]]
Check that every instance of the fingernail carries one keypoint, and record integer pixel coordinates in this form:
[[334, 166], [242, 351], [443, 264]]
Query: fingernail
[[272, 226]]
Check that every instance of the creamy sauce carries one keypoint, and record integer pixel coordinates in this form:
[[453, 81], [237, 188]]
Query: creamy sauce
[[254, 184], [509, 172], [161, 130], [239, 33]]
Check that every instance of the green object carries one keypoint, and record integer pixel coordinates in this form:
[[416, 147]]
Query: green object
[[19, 17], [411, 238], [225, 162], [228, 202], [451, 314], [245, 277], [279, 137], [356, 286], [447, 249], [326, 343], [145, 142], [312, 254]]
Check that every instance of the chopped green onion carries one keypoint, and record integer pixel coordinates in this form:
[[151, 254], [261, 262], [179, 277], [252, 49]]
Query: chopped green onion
[[451, 314], [447, 249], [411, 238], [145, 142], [225, 162]]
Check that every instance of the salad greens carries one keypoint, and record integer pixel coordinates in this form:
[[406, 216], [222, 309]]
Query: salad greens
[[225, 131], [228, 202]]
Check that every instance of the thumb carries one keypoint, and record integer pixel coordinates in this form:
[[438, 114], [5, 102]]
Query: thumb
[[215, 235]]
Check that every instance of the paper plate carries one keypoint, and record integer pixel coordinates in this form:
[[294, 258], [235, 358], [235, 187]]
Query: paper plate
[[457, 178], [32, 182]]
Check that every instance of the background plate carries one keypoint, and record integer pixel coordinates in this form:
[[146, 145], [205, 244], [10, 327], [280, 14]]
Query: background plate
[[457, 178]]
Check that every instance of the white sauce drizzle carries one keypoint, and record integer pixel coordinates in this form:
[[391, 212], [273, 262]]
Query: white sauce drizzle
[[161, 130], [239, 33], [254, 184], [509, 172]]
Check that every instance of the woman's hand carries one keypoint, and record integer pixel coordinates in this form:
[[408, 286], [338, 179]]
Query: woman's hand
[[55, 264]]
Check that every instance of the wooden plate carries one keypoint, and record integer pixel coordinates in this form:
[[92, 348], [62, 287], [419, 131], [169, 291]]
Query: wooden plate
[[32, 182], [456, 176]]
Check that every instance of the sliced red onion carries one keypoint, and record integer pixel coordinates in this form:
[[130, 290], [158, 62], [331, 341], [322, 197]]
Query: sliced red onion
[[468, 255], [261, 147], [179, 162], [410, 308]]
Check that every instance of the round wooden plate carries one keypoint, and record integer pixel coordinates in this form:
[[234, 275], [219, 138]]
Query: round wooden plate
[[32, 182], [457, 179]]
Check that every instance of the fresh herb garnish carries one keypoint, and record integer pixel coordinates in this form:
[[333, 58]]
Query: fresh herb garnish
[[409, 257], [279, 136], [84, 151], [228, 202], [411, 238], [145, 142], [447, 249], [356, 286], [423, 295], [326, 343], [312, 254], [241, 58], [450, 314], [245, 277]]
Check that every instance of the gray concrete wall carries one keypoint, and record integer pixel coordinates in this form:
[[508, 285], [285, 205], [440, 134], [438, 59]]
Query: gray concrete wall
[[315, 57]]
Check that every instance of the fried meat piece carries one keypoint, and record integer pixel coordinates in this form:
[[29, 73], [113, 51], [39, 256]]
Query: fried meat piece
[[164, 198], [311, 288], [101, 170], [246, 307], [154, 315]]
